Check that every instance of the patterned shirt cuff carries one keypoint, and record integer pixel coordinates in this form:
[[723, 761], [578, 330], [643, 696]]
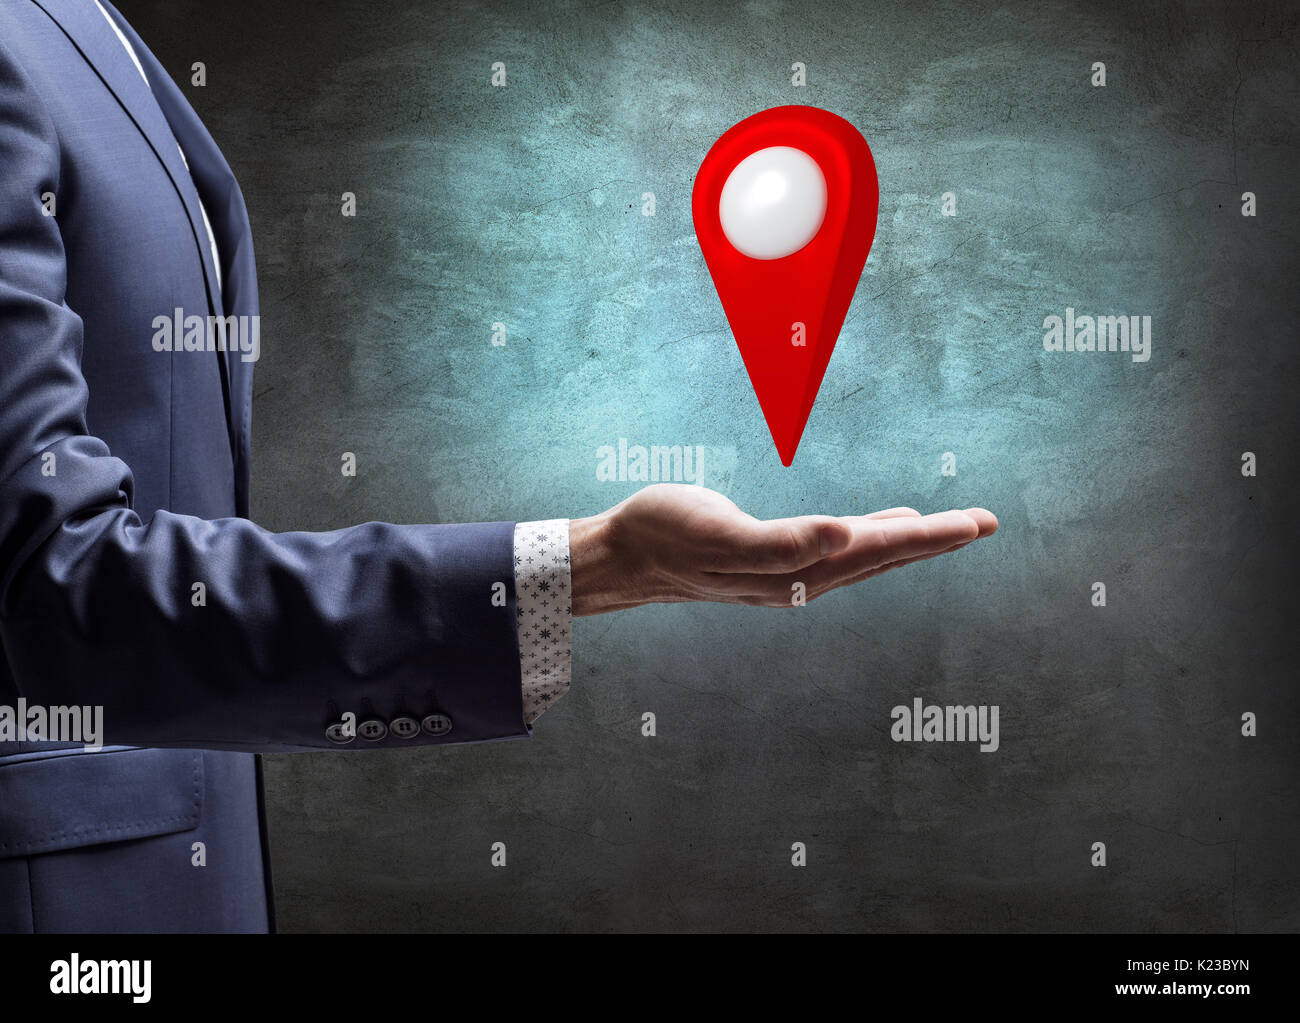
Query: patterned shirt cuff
[[545, 613]]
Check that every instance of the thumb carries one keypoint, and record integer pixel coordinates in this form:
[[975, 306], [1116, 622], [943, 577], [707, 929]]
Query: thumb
[[783, 545]]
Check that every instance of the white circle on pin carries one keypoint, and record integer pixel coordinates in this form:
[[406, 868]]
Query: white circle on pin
[[773, 203]]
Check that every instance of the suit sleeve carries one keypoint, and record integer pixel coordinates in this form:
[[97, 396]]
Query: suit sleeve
[[211, 633]]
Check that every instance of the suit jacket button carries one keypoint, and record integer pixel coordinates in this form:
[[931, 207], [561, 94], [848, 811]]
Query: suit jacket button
[[372, 729], [436, 724], [404, 727], [337, 735]]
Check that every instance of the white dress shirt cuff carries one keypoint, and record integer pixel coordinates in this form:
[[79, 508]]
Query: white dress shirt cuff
[[545, 613]]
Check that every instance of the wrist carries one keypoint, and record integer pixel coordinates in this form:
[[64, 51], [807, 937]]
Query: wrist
[[593, 566]]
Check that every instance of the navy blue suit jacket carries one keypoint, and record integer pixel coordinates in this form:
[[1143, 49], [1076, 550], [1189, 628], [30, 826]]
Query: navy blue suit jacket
[[148, 496]]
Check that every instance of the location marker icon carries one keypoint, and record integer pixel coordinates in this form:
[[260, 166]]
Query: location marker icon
[[784, 206]]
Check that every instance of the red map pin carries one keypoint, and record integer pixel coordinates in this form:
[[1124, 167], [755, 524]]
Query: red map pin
[[785, 212]]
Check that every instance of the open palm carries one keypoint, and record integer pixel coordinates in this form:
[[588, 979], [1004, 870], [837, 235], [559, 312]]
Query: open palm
[[672, 542]]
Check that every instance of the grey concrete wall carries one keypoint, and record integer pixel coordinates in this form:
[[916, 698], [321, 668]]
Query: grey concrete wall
[[1119, 725]]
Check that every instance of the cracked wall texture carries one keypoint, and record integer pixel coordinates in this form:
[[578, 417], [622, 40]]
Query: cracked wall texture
[[522, 205]]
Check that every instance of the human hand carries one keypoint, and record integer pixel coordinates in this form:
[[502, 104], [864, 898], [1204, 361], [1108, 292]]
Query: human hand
[[671, 542]]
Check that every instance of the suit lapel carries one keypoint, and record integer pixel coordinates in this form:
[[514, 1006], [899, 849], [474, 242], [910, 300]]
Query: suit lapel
[[92, 35], [165, 118], [229, 218]]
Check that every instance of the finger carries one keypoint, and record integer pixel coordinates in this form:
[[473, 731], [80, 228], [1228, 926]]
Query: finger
[[786, 545], [895, 513], [781, 545], [986, 520], [862, 576], [813, 593], [876, 542], [883, 541]]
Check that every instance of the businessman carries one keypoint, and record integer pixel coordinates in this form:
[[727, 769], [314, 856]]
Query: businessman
[[133, 584]]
